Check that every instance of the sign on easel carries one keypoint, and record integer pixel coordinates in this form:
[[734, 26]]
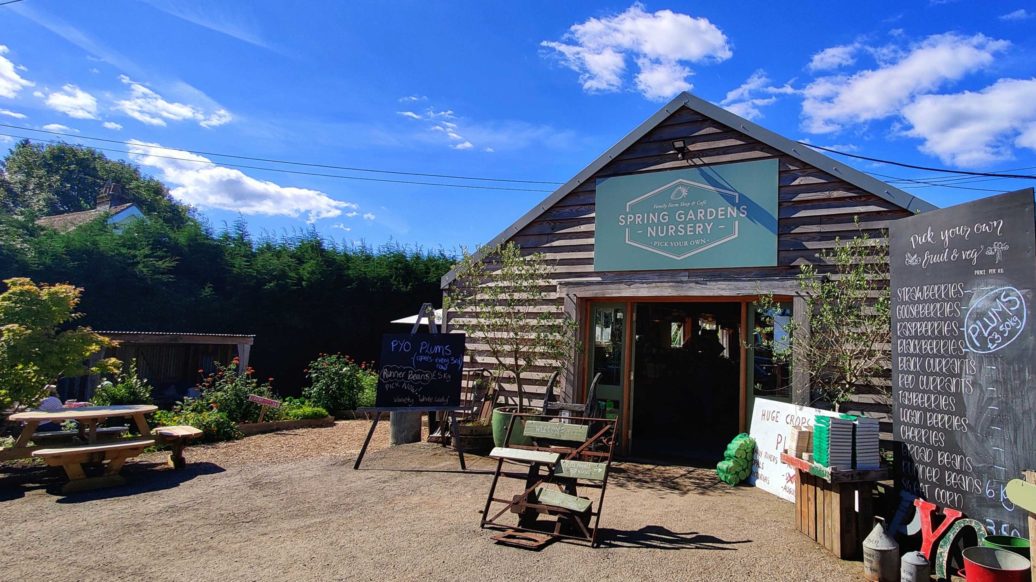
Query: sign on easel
[[420, 372]]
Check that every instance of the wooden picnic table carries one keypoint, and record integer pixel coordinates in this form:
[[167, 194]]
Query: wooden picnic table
[[76, 459], [88, 417]]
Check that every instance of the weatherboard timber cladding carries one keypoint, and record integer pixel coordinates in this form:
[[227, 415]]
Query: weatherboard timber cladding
[[815, 208]]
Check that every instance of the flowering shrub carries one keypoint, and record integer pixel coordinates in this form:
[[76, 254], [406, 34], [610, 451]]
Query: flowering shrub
[[338, 383], [128, 388], [227, 390]]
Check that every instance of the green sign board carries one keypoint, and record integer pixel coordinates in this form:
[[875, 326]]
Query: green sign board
[[708, 217]]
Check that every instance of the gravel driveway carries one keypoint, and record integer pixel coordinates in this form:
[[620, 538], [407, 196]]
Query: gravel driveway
[[288, 506]]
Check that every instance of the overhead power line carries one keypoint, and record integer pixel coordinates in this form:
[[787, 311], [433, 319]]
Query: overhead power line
[[9, 2], [295, 172], [915, 167], [960, 176], [289, 162]]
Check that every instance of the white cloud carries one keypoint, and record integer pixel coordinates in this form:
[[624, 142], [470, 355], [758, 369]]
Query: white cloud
[[10, 81], [112, 125], [659, 43], [14, 114], [59, 128], [412, 99], [196, 180], [488, 150], [150, 108], [834, 57], [368, 216], [341, 226], [437, 121], [235, 22], [972, 129], [352, 214], [6, 139], [834, 101], [744, 100], [73, 102], [218, 118], [1017, 15]]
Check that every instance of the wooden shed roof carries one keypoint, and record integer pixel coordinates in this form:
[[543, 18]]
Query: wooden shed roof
[[789, 147], [170, 337]]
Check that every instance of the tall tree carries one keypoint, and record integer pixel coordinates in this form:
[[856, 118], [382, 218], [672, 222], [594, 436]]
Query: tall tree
[[61, 178]]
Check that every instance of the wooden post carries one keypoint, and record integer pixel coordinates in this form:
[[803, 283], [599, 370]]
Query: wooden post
[[800, 390], [367, 441], [1030, 477]]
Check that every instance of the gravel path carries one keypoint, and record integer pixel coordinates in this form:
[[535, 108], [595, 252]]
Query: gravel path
[[289, 506]]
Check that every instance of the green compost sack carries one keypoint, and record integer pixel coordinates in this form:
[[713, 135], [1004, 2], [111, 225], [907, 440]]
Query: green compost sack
[[736, 465]]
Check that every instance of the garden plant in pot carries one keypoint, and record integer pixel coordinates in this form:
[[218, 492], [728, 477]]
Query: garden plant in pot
[[498, 300]]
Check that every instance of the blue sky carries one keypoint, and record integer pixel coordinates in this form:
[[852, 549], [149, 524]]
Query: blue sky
[[524, 91]]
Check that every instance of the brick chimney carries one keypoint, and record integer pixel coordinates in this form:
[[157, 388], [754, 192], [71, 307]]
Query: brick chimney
[[110, 195]]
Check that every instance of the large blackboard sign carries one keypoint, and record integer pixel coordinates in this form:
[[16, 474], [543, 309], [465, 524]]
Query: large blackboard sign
[[962, 355], [420, 370]]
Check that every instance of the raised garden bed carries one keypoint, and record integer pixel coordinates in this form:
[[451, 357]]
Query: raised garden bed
[[251, 428]]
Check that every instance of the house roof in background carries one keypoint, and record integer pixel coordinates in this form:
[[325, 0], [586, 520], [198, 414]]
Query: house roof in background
[[71, 220]]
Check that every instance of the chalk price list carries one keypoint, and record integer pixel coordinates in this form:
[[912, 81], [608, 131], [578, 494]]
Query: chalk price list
[[950, 374], [420, 370], [935, 374]]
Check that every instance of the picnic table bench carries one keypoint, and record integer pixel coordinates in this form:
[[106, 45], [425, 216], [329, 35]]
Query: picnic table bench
[[111, 455], [104, 433]]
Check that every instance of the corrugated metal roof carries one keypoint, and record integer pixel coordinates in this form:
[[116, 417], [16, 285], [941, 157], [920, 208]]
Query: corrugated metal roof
[[184, 333], [810, 156]]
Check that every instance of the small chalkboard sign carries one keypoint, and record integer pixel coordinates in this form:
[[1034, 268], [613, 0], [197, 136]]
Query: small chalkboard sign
[[964, 355], [420, 370]]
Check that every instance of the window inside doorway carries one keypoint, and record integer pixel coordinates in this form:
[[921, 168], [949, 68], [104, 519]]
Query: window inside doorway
[[771, 369]]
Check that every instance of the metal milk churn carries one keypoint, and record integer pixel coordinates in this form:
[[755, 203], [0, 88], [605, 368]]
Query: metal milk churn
[[880, 556], [915, 568]]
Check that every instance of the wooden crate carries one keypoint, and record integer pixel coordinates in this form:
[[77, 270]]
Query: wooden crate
[[827, 513], [834, 508]]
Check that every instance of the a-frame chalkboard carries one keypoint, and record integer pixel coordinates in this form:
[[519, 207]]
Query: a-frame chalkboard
[[963, 348], [419, 372]]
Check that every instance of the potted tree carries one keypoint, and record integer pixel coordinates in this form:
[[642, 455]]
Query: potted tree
[[842, 341], [499, 300]]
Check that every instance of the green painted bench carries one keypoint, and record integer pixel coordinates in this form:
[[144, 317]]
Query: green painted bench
[[525, 456], [555, 498]]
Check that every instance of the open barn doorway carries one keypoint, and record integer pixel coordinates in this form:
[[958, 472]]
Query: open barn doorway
[[686, 379]]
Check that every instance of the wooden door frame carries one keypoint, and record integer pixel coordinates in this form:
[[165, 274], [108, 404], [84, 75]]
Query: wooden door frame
[[630, 302]]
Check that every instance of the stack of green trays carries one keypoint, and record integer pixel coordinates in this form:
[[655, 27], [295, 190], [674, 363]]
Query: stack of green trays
[[833, 441]]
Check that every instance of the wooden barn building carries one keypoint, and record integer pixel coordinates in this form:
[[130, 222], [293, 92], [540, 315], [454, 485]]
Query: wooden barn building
[[664, 244]]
